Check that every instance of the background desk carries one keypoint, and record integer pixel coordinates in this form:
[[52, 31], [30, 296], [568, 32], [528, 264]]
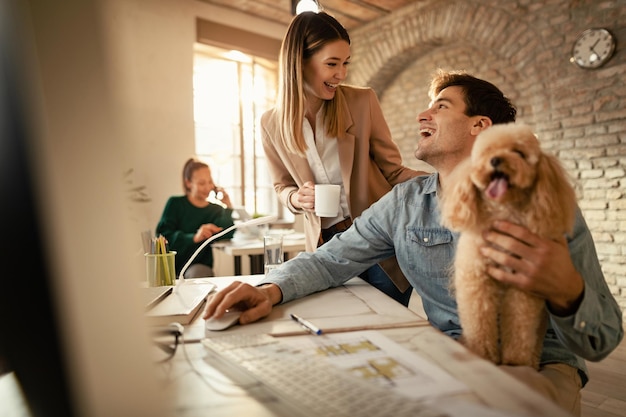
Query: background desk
[[227, 255], [197, 387]]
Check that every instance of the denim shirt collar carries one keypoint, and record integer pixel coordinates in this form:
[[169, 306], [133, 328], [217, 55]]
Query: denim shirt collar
[[431, 183]]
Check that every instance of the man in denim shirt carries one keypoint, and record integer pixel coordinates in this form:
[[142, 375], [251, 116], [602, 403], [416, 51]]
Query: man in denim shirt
[[585, 320]]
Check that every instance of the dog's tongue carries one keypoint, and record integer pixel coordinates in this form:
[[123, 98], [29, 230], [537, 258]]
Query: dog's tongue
[[497, 187]]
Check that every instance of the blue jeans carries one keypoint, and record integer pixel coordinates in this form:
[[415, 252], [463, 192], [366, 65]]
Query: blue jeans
[[376, 277]]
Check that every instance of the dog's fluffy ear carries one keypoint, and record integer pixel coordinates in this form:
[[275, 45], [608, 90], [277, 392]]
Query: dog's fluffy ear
[[460, 201], [554, 191]]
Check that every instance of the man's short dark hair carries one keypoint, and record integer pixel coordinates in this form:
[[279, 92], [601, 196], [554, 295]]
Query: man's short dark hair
[[481, 97]]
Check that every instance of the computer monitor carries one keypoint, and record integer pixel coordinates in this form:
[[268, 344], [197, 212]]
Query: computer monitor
[[31, 349], [73, 332]]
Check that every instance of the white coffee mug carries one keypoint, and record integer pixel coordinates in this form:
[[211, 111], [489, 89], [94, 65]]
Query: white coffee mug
[[327, 199]]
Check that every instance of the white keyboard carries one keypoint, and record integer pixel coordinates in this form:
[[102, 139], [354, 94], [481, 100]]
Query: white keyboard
[[307, 387]]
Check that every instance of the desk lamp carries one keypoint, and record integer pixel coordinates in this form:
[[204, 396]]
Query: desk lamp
[[252, 222]]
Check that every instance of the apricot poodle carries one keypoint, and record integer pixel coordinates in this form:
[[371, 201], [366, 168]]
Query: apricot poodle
[[507, 177]]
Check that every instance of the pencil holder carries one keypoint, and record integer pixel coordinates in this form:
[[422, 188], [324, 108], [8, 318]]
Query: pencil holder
[[160, 269]]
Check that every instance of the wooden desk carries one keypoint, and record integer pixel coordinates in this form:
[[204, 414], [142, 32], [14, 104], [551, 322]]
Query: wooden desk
[[197, 387], [254, 250], [355, 305]]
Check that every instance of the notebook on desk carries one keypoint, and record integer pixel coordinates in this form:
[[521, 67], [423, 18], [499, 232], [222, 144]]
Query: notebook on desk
[[179, 304]]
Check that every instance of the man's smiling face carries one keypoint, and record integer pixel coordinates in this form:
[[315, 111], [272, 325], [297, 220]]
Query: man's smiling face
[[445, 131]]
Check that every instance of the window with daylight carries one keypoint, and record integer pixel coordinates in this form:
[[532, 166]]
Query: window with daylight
[[231, 92]]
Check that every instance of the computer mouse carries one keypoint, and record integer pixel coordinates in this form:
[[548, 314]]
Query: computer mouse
[[229, 319]]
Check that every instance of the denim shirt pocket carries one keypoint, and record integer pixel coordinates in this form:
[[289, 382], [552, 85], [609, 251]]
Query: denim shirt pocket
[[430, 251]]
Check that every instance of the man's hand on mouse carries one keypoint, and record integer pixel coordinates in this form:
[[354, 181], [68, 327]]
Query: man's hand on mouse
[[254, 302]]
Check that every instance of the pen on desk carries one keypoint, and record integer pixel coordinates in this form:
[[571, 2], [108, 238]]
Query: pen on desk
[[307, 325]]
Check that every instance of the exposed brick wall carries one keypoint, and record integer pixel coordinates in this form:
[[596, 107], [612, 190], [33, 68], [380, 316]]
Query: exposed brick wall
[[523, 47]]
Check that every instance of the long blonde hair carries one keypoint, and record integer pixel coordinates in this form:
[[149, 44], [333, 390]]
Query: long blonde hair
[[307, 34]]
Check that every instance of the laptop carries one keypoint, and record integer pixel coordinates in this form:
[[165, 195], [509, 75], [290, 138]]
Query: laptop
[[151, 296], [241, 214], [163, 306]]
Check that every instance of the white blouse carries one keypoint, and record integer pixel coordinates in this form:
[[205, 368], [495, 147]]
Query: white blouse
[[323, 159]]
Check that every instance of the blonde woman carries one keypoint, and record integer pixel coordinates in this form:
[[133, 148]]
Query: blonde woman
[[323, 132]]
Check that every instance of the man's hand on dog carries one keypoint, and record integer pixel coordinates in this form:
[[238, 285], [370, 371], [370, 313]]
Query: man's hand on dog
[[540, 266]]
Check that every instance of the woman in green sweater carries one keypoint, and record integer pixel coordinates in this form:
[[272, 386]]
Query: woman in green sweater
[[190, 219]]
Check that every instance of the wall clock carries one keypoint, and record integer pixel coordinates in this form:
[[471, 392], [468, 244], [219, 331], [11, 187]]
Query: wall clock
[[593, 48]]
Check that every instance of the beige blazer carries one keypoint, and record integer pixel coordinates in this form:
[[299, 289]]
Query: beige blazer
[[370, 164]]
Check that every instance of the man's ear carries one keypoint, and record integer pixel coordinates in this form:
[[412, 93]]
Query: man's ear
[[480, 123]]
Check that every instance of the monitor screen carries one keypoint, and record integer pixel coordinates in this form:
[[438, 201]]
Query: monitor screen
[[31, 349], [73, 331]]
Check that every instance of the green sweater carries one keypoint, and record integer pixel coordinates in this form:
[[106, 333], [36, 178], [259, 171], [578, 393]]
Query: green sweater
[[180, 222]]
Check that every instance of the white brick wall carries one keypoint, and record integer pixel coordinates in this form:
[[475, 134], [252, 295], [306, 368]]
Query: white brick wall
[[523, 47]]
